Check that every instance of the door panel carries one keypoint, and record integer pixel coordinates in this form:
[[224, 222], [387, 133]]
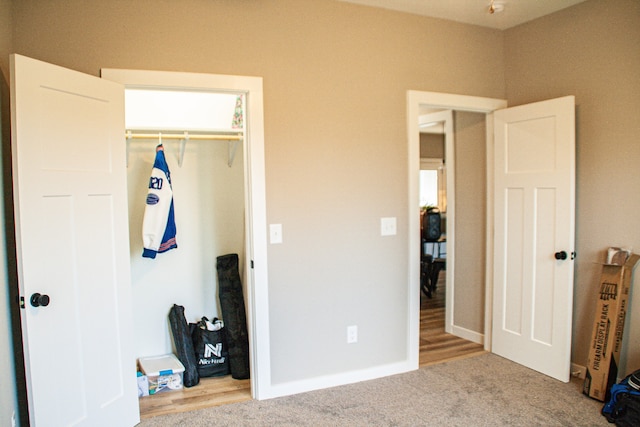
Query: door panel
[[534, 219], [72, 245]]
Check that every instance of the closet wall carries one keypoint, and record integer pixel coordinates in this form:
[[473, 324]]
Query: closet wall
[[209, 211]]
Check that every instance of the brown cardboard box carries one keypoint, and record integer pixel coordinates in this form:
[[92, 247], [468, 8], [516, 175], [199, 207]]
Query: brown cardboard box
[[606, 340]]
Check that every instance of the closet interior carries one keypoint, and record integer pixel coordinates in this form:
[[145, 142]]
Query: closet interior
[[203, 138]]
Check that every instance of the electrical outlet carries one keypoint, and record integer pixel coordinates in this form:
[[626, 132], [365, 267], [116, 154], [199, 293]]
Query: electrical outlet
[[352, 334]]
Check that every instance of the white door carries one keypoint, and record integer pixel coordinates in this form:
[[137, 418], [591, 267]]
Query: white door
[[72, 245], [534, 225]]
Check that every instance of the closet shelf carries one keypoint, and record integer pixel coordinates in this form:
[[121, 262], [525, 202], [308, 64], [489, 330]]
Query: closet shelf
[[232, 137]]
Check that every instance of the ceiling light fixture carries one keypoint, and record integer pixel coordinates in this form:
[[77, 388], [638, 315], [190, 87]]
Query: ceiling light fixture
[[495, 7]]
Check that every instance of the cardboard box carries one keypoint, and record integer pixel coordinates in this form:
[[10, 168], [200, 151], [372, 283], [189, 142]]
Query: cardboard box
[[164, 373], [608, 328]]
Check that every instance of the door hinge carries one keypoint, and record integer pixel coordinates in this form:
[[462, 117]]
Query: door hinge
[[21, 302], [251, 263]]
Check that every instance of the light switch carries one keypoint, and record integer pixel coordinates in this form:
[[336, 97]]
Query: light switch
[[388, 226], [275, 231]]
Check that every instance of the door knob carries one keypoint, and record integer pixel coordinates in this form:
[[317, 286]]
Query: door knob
[[38, 300], [561, 255]]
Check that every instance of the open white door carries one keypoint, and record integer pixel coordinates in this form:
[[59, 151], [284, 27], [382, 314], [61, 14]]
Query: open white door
[[534, 235], [69, 175]]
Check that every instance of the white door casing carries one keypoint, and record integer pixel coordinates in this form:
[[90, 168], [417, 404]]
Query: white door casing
[[255, 198], [442, 101], [534, 220], [69, 175]]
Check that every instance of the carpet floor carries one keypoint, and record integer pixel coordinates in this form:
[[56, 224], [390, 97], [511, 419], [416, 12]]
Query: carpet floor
[[486, 390]]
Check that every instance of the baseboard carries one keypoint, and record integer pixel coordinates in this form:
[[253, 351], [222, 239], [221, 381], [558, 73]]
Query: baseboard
[[467, 334], [578, 371], [295, 387]]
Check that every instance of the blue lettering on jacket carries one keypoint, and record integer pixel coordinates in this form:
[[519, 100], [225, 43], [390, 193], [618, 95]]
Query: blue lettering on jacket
[[155, 183]]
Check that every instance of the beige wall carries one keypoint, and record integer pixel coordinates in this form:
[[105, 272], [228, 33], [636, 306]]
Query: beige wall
[[432, 146], [591, 51], [335, 82], [471, 196]]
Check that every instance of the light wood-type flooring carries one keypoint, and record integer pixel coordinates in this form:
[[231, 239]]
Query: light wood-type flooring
[[435, 347]]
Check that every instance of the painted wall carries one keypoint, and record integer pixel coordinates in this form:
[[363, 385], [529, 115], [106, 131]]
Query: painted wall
[[333, 169], [432, 146], [471, 196], [209, 209], [591, 51]]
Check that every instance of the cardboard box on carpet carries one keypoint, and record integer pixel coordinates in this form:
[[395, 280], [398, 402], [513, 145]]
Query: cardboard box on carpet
[[608, 328]]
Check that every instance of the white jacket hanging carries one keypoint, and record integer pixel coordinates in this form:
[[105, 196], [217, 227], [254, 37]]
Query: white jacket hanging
[[158, 226]]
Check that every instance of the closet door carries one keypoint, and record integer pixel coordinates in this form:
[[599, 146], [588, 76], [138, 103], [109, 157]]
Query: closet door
[[72, 246]]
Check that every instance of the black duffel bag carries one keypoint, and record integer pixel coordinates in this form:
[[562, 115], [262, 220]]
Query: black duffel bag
[[210, 346]]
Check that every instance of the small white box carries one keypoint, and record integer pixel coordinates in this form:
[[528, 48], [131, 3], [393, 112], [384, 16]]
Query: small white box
[[143, 385], [164, 372]]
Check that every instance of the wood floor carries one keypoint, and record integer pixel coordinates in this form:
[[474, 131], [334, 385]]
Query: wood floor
[[209, 392], [435, 347]]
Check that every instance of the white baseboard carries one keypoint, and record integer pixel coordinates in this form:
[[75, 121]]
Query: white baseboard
[[295, 387], [578, 371], [467, 334]]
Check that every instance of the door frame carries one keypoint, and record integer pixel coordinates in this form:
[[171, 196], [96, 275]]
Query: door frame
[[255, 198], [445, 101]]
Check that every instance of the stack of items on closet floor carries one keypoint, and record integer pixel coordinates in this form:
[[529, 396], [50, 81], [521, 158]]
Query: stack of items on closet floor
[[206, 348]]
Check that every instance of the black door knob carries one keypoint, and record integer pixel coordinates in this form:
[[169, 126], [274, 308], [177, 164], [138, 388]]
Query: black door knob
[[38, 300], [561, 255]]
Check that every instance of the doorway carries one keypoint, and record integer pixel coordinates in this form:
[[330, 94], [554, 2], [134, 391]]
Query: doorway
[[416, 103], [439, 123]]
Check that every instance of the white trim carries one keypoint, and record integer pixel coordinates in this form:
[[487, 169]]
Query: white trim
[[427, 163], [446, 101], [467, 334], [255, 198], [327, 381], [488, 271]]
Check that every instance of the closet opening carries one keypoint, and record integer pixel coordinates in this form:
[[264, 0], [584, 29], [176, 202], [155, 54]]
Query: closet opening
[[212, 135]]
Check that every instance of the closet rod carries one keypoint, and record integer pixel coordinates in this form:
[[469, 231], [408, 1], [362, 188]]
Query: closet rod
[[217, 136], [233, 139]]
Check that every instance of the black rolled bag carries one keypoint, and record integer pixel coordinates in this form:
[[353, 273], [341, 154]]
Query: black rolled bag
[[184, 345], [210, 347], [234, 315]]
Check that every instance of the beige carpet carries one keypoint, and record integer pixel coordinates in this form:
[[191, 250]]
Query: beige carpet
[[485, 390]]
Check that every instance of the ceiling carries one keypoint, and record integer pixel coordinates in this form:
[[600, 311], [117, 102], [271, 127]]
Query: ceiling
[[515, 12]]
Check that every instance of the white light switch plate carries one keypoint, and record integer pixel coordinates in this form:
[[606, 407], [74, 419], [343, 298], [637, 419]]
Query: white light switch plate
[[388, 226], [275, 233]]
